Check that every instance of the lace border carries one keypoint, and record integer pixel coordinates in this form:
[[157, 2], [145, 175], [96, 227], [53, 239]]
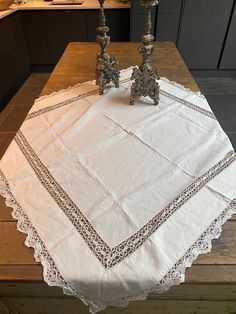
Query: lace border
[[186, 89], [201, 110], [203, 245], [188, 104], [53, 278], [59, 105], [109, 257], [51, 274], [78, 85], [204, 111], [66, 102]]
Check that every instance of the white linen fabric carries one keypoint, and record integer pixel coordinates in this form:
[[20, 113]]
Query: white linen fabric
[[118, 200]]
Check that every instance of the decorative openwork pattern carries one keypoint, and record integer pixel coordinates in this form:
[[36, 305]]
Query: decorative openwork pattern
[[145, 76], [60, 104], [111, 256], [189, 104], [203, 245], [51, 273], [164, 93], [63, 200], [53, 277], [64, 103], [106, 70]]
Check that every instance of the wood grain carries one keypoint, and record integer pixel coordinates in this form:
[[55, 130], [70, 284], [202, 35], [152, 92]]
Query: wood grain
[[14, 252], [12, 248], [76, 66], [73, 306], [197, 274], [186, 291], [5, 212], [3, 308]]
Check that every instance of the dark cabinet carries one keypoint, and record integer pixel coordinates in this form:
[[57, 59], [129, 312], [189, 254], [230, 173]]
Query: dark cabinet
[[118, 22], [9, 34], [168, 20], [48, 32], [36, 37], [63, 27], [14, 59], [39, 37], [203, 28], [228, 60]]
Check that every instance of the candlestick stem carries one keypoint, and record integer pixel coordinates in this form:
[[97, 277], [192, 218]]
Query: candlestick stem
[[145, 77], [106, 68]]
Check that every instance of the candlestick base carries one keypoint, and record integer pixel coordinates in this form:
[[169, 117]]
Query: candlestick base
[[145, 77], [145, 84], [106, 71]]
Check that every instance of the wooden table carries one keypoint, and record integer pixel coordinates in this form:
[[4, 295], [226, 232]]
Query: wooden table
[[210, 285]]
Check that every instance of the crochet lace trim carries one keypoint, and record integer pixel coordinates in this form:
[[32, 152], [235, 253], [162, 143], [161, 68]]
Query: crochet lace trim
[[109, 257], [51, 274], [53, 277], [38, 112]]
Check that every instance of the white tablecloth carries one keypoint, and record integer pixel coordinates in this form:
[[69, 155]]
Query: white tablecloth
[[118, 200]]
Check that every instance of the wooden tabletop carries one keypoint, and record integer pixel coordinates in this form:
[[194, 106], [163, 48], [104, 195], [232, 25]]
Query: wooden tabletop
[[77, 65], [79, 61]]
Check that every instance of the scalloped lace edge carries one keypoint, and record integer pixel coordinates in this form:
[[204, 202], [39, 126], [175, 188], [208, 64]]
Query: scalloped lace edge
[[51, 274], [64, 90], [203, 245], [199, 94], [73, 86], [186, 89], [53, 277]]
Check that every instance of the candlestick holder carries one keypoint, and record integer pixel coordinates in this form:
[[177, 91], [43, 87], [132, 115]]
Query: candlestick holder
[[106, 69], [145, 77]]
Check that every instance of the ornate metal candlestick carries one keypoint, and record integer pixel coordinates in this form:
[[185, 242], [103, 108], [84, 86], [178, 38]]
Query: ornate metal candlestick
[[106, 70], [145, 77]]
